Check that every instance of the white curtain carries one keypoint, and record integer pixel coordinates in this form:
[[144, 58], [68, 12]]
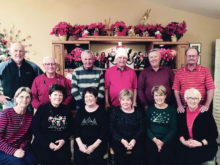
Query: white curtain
[[216, 105]]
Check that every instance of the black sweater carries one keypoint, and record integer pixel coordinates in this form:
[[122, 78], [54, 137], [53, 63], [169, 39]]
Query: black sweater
[[90, 126], [126, 125], [51, 124], [204, 127]]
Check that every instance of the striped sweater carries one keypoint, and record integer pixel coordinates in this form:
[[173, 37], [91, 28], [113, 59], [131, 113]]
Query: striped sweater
[[14, 130], [82, 79]]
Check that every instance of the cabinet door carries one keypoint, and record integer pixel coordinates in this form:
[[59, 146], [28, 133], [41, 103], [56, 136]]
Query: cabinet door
[[58, 53], [180, 59]]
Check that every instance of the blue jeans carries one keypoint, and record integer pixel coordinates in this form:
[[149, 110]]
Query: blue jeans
[[28, 159]]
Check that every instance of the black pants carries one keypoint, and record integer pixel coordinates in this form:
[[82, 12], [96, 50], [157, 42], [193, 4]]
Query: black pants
[[49, 157], [95, 158], [122, 157], [164, 157], [195, 156]]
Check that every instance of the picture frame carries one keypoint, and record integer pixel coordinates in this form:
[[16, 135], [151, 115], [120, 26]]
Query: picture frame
[[198, 46]]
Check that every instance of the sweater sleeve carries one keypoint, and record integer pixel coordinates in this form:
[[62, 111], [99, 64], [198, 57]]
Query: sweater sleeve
[[70, 125], [4, 146], [74, 87], [35, 100], [103, 123], [172, 129], [141, 129], [112, 125], [36, 127], [150, 134], [101, 87]]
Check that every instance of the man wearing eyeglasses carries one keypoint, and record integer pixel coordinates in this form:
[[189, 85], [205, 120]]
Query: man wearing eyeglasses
[[42, 83], [15, 73], [193, 76]]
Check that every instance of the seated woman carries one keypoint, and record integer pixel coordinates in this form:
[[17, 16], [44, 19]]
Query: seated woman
[[126, 131], [161, 129], [15, 134], [197, 132], [52, 127], [90, 131]]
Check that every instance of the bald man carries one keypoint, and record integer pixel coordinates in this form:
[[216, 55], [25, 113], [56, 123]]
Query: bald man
[[15, 73], [42, 83]]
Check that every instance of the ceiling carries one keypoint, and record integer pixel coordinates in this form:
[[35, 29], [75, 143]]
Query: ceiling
[[209, 8]]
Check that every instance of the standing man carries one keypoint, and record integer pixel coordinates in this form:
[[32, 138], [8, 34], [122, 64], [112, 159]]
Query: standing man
[[86, 76], [15, 73], [193, 76], [42, 83], [119, 77], [152, 76]]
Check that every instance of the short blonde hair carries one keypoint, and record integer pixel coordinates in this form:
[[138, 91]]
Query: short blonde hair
[[160, 89], [126, 93], [192, 92], [19, 91]]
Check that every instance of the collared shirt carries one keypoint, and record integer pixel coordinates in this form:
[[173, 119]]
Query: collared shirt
[[148, 78], [116, 80], [199, 78], [40, 89]]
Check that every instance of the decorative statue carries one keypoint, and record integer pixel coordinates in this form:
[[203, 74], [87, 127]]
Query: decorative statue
[[145, 17], [131, 32]]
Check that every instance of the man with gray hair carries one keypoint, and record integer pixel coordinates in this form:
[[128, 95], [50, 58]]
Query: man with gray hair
[[42, 83], [154, 75], [85, 76], [15, 73]]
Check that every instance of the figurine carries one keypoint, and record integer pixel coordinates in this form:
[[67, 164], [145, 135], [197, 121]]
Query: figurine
[[131, 32]]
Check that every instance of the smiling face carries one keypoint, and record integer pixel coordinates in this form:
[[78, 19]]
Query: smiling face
[[23, 99], [17, 53], [126, 102], [87, 60], [154, 59], [56, 98], [159, 98], [121, 62], [192, 102], [50, 65], [90, 99]]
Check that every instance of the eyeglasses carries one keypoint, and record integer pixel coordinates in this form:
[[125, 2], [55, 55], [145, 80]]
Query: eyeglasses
[[193, 98], [191, 56], [50, 64]]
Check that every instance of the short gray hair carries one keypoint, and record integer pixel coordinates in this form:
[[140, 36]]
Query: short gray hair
[[47, 57], [192, 92], [153, 50], [87, 52], [191, 48]]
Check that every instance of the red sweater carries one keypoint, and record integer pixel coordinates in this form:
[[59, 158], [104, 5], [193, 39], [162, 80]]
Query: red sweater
[[40, 89], [14, 130]]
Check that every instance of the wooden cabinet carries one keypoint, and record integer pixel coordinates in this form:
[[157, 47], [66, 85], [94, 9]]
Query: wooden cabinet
[[104, 43]]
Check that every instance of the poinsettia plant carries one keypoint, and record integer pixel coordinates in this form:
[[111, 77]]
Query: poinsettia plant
[[175, 29], [167, 57], [96, 29], [78, 30], [62, 29], [119, 28], [4, 56]]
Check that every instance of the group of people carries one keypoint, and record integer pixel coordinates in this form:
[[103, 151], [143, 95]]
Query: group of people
[[167, 127]]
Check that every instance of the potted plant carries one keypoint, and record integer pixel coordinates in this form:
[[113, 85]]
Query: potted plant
[[174, 31], [63, 29], [119, 28]]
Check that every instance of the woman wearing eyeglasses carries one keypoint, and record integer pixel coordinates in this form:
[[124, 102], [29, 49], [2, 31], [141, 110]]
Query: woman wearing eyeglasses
[[197, 132]]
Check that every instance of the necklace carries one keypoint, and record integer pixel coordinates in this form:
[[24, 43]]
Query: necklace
[[22, 120]]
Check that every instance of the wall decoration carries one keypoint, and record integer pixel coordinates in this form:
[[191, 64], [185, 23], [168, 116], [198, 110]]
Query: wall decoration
[[198, 47]]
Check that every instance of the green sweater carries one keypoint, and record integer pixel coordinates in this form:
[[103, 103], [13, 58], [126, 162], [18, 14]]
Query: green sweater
[[161, 123]]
